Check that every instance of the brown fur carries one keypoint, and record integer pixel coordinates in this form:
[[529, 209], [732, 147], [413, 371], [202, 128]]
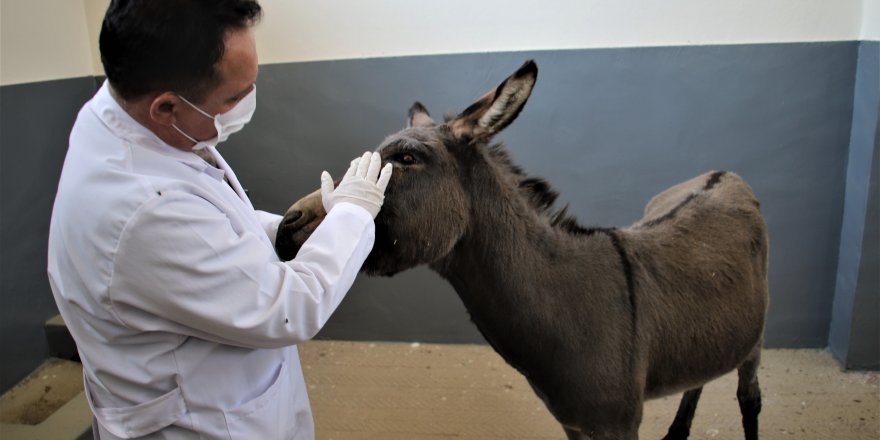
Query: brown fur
[[597, 319]]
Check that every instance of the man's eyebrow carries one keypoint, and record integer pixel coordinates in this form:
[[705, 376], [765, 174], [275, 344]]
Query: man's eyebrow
[[245, 91]]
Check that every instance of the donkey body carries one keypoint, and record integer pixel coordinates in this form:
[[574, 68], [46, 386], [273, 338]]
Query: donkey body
[[597, 319]]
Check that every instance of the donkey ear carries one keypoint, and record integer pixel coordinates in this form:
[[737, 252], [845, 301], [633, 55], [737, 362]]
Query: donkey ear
[[497, 109], [419, 116]]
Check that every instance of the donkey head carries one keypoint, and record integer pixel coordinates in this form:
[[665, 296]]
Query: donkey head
[[427, 206]]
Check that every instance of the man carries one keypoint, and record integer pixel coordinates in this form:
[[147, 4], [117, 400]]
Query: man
[[185, 319]]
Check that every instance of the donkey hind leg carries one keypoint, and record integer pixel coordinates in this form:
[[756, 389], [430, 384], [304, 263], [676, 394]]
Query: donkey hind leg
[[681, 426], [748, 393]]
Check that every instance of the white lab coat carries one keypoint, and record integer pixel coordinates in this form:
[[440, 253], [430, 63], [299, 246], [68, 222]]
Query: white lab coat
[[185, 319]]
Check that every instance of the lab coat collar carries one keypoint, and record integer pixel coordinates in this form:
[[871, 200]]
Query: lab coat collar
[[230, 175], [123, 125], [126, 127]]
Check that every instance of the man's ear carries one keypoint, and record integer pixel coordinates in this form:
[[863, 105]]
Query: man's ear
[[164, 107]]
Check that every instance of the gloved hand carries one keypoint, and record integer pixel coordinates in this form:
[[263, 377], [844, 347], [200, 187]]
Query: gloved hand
[[362, 185]]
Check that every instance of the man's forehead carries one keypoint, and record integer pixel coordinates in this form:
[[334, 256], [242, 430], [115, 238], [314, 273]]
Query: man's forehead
[[239, 65]]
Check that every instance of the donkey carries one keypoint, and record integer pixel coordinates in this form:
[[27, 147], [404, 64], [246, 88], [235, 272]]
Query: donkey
[[597, 319]]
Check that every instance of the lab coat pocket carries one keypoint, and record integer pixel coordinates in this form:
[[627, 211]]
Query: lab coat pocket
[[142, 419], [269, 415]]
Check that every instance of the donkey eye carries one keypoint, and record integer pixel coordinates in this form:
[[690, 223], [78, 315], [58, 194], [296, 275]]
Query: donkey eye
[[406, 158]]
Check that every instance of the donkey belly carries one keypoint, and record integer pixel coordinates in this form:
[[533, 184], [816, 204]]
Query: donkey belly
[[696, 330], [702, 351], [700, 331]]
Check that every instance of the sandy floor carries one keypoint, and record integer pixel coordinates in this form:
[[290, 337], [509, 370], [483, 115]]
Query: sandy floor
[[392, 391], [43, 392], [420, 392]]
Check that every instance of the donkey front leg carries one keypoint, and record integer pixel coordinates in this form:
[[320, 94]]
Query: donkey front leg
[[626, 434], [624, 428], [573, 434]]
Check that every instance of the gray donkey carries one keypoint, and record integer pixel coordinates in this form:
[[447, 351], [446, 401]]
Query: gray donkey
[[597, 319]]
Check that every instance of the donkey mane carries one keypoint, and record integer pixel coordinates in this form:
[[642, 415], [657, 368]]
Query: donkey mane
[[538, 193]]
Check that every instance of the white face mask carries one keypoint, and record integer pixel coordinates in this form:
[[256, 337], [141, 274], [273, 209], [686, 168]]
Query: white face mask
[[225, 123]]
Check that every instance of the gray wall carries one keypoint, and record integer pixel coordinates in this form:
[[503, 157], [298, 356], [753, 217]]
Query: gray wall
[[35, 121], [609, 127], [855, 333], [864, 343]]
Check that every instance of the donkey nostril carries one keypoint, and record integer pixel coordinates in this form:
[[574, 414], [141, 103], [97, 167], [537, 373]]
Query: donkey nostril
[[291, 218]]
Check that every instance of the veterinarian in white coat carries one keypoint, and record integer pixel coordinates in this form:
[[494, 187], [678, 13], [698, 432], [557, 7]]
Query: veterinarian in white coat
[[185, 319]]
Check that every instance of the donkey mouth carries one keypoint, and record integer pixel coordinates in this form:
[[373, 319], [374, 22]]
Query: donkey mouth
[[301, 219], [286, 244], [294, 230]]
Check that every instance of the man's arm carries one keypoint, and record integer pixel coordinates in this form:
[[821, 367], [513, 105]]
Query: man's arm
[[180, 267]]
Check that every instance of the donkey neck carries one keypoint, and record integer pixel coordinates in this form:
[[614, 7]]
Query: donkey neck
[[504, 234], [510, 268]]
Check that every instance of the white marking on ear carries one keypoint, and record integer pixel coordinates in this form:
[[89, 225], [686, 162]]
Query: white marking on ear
[[511, 96], [493, 112], [420, 120]]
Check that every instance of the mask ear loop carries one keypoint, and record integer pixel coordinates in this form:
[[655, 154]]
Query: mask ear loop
[[194, 106], [197, 145], [184, 134]]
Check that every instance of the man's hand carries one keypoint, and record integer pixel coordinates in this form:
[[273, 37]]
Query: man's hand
[[362, 185]]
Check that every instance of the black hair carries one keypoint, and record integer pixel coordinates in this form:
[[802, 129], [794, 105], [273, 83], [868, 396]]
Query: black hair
[[169, 45]]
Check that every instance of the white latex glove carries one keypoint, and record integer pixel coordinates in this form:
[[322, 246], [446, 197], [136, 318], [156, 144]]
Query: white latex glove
[[362, 185]]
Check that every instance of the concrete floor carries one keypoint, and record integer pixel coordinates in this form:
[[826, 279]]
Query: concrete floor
[[49, 404], [429, 392], [393, 391]]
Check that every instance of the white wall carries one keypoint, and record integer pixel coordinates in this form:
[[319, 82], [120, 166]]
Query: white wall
[[870, 20], [43, 40], [95, 10], [336, 29], [50, 39]]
